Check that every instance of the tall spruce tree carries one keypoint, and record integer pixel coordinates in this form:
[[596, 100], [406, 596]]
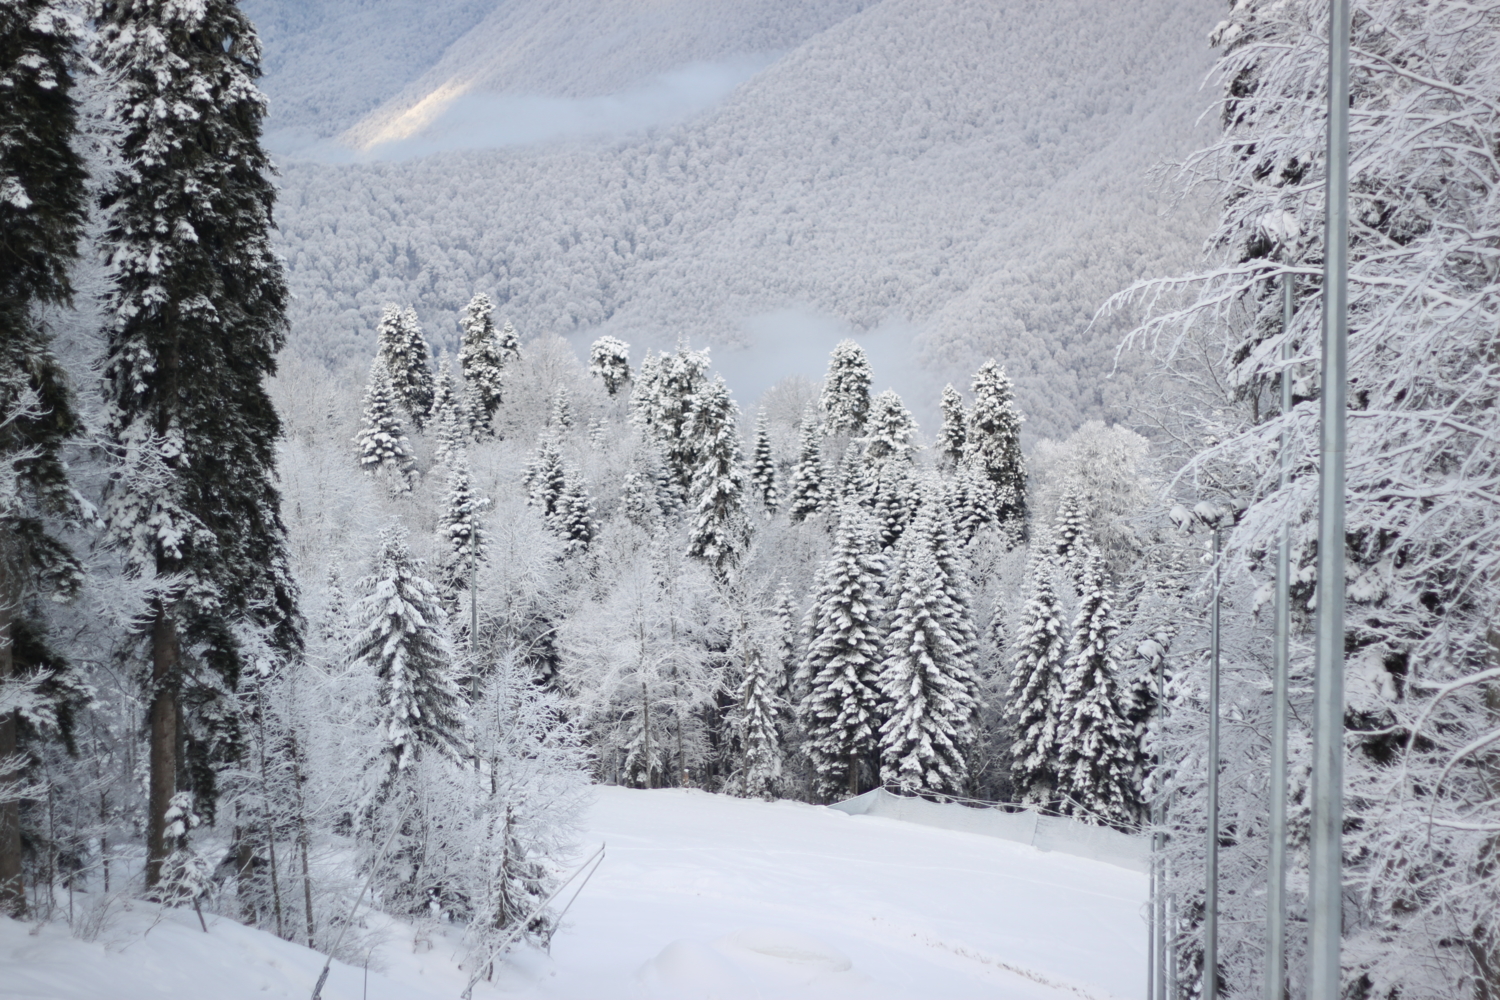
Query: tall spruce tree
[[572, 517], [451, 422], [382, 444], [720, 531], [846, 390], [755, 723], [1070, 537], [42, 210], [840, 710], [546, 480], [993, 442], [408, 359], [928, 675], [197, 312], [1098, 775], [461, 541], [889, 430], [954, 432], [807, 495], [482, 358], [763, 467], [609, 360], [1035, 693]]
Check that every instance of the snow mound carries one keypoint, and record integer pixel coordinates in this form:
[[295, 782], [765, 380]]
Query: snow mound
[[751, 962]]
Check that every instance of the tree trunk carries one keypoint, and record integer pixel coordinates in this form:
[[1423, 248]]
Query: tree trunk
[[163, 759], [12, 889]]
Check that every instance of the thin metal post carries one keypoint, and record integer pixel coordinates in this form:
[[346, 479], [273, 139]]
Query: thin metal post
[[473, 582], [1325, 902], [1275, 971], [1211, 869], [1159, 844]]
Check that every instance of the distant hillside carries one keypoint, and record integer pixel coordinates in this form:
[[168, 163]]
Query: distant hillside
[[975, 170]]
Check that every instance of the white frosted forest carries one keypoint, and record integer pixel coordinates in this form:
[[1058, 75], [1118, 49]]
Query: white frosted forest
[[564, 498]]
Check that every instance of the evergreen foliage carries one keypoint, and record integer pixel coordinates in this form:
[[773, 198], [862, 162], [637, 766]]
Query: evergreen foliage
[[889, 430], [807, 494], [451, 421], [720, 530], [408, 359], [461, 538], [1098, 766], [572, 516], [546, 480], [993, 442], [1070, 538], [755, 724], [1035, 694], [763, 467], [609, 360], [954, 435], [845, 400], [844, 629], [662, 402], [482, 358], [383, 447]]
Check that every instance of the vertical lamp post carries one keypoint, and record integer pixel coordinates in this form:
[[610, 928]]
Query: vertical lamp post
[[1325, 903], [1275, 972]]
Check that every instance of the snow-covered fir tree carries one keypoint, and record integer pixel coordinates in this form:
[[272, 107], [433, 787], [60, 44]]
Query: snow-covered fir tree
[[451, 422], [42, 210], [927, 676], [402, 641], [546, 480], [667, 389], [843, 632], [845, 399], [609, 361], [1071, 542], [953, 435], [1035, 693], [408, 360], [992, 443], [195, 313], [807, 496], [1098, 766], [561, 416], [763, 467], [461, 537], [889, 430], [572, 516], [893, 500], [382, 444], [755, 725], [482, 358], [720, 530], [970, 497]]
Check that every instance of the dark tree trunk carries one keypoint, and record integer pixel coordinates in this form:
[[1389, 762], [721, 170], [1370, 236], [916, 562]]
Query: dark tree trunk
[[12, 889], [163, 720]]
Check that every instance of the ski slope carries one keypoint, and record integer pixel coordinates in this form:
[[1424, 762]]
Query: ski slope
[[699, 895]]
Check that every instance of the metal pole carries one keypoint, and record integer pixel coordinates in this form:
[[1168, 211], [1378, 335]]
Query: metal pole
[[1159, 842], [1211, 869], [1275, 972], [1325, 902]]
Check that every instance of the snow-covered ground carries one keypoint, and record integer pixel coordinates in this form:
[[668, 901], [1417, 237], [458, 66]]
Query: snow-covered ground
[[699, 895]]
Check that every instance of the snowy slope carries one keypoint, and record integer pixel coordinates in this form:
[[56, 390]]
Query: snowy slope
[[971, 172], [699, 895]]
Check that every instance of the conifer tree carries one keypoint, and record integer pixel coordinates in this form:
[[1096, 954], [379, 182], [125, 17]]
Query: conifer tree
[[970, 498], [846, 390], [1070, 537], [720, 531], [42, 210], [840, 710], [894, 501], [572, 517], [993, 442], [954, 433], [1034, 696], [561, 416], [461, 539], [1098, 776], [638, 499], [807, 496], [197, 312], [546, 480], [402, 639], [609, 360], [451, 422], [755, 724], [667, 389], [383, 447], [889, 430], [408, 359], [510, 345], [482, 358], [763, 467]]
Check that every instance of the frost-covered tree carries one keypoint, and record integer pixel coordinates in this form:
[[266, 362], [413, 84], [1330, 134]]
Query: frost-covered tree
[[408, 359], [609, 361], [667, 389], [402, 640], [953, 435], [763, 467], [1098, 766], [461, 537], [893, 500], [450, 422], [845, 400], [561, 416], [1071, 543], [970, 497], [42, 210], [482, 358], [546, 480], [841, 668], [572, 515], [927, 676], [754, 722], [1035, 693], [993, 442], [720, 530], [807, 493], [195, 312], [382, 444], [889, 430]]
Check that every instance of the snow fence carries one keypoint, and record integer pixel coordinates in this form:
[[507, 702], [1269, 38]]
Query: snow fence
[[1046, 833]]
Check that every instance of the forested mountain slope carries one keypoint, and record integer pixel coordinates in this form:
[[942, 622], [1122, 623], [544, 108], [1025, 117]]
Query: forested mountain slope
[[978, 170]]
